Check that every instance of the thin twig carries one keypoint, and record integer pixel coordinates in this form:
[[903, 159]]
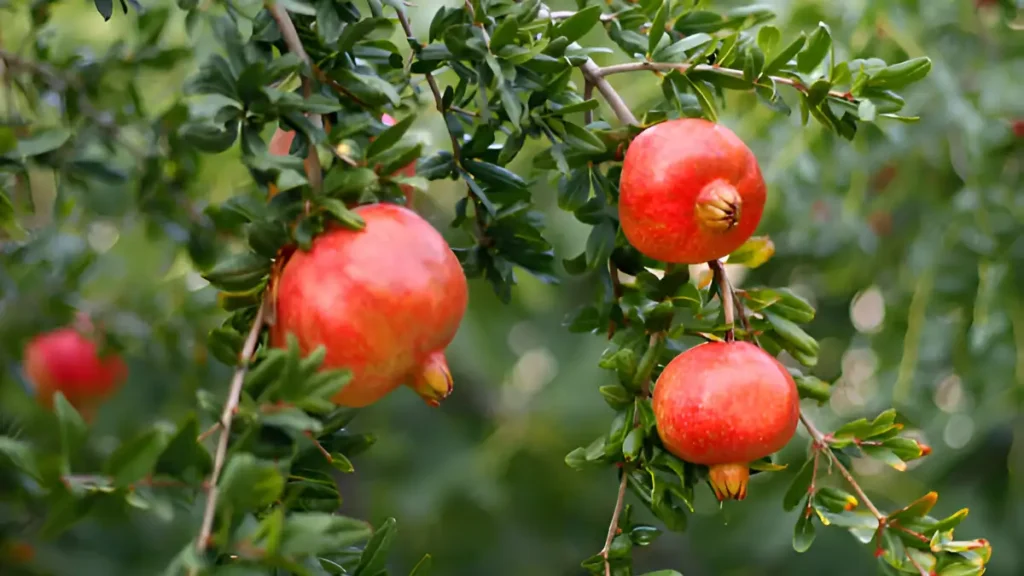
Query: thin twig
[[593, 75], [613, 526], [291, 39], [230, 406], [438, 98], [483, 29], [917, 565], [726, 296], [683, 67], [588, 93], [821, 443], [564, 14]]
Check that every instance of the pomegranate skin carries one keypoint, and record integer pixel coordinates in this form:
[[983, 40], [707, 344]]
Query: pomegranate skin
[[67, 361], [725, 405], [691, 191], [384, 301]]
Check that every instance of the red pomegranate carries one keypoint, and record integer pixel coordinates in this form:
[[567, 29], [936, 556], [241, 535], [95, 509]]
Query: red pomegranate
[[385, 301], [68, 361], [691, 191], [724, 405], [281, 143]]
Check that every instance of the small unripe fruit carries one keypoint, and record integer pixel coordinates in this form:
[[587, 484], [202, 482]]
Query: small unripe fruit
[[67, 361], [690, 192], [385, 302], [724, 405]]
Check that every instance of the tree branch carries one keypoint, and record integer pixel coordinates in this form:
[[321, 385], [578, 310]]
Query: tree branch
[[438, 98], [726, 296], [613, 526], [593, 75], [822, 443], [230, 406], [314, 172], [683, 67]]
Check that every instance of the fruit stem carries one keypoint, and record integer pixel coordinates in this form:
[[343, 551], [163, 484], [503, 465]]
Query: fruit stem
[[230, 406], [719, 206], [726, 296], [822, 444]]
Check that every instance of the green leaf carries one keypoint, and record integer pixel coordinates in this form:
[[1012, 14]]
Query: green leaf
[[705, 97], [767, 38], [389, 137], [208, 136], [20, 455], [633, 444], [657, 27], [574, 27], [582, 139], [616, 396], [494, 175], [803, 533], [866, 110], [239, 272], [41, 142], [375, 555], [346, 181], [136, 458], [184, 454], [249, 483], [306, 533], [901, 74], [600, 244], [817, 48], [504, 34], [337, 209], [754, 252], [291, 419], [812, 388], [916, 509], [798, 488], [781, 60], [72, 427], [422, 568]]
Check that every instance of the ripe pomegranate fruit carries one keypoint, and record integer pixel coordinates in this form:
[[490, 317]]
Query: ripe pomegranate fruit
[[385, 301], [690, 192], [281, 143], [724, 405], [67, 360]]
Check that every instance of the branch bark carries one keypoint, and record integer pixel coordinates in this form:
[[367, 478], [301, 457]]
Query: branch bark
[[230, 406], [314, 172], [683, 67], [593, 75]]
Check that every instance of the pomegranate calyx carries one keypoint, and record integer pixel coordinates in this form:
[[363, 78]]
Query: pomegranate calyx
[[433, 380], [719, 206], [729, 481]]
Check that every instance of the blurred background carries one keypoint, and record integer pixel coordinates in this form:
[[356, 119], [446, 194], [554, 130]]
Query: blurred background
[[909, 240]]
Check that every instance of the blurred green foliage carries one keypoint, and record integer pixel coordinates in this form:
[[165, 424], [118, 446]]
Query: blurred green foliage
[[909, 241]]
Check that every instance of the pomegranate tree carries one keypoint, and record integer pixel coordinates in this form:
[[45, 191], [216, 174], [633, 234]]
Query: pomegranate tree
[[724, 405], [327, 276], [385, 301], [691, 191]]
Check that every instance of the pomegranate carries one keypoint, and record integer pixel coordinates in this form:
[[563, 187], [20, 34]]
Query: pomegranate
[[690, 192], [68, 361], [385, 302], [724, 405], [281, 143]]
